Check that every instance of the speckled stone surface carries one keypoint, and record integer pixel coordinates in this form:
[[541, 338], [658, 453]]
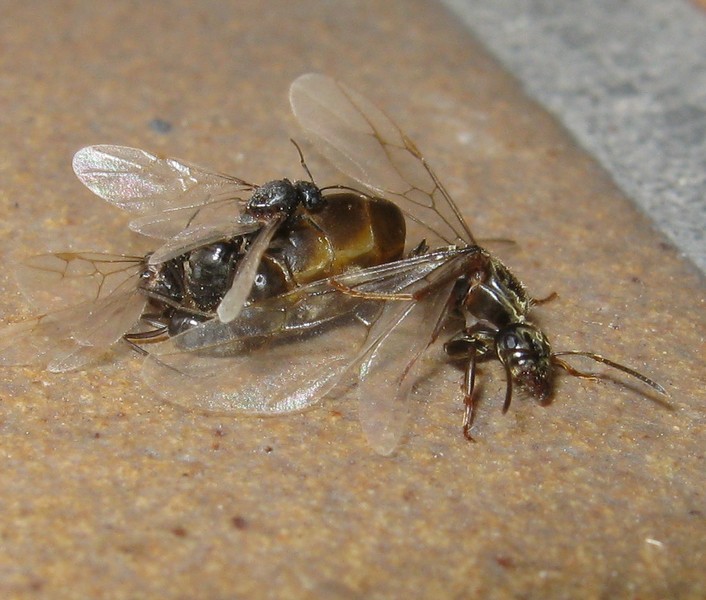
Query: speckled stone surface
[[108, 493], [622, 87]]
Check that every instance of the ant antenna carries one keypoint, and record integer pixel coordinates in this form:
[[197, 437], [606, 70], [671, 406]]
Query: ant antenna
[[311, 177], [343, 187], [601, 359], [302, 161]]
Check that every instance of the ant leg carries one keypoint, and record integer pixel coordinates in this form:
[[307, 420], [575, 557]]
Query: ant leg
[[153, 335], [469, 382], [545, 300], [420, 249], [369, 295]]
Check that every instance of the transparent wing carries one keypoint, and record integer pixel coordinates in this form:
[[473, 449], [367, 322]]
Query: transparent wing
[[410, 274], [68, 339], [170, 222], [166, 193], [321, 302], [44, 341], [51, 282], [235, 298], [198, 236], [274, 377], [285, 353], [387, 370], [364, 143], [96, 331], [400, 335], [89, 300], [285, 317]]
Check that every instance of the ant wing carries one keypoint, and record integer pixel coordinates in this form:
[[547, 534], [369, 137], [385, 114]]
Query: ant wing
[[236, 297], [254, 363], [257, 375], [166, 193], [224, 208], [103, 304], [198, 236], [321, 303], [398, 338], [388, 368], [51, 282], [364, 143], [285, 353]]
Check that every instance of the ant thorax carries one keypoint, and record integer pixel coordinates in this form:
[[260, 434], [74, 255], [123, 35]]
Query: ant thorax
[[495, 296]]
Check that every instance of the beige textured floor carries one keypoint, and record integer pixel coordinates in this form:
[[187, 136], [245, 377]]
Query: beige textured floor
[[108, 493]]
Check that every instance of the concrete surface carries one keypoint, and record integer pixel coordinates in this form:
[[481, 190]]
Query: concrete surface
[[628, 79], [108, 493]]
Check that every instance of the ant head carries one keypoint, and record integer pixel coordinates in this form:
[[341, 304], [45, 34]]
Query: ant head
[[526, 355], [310, 195]]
